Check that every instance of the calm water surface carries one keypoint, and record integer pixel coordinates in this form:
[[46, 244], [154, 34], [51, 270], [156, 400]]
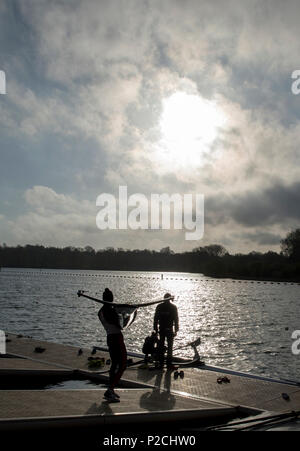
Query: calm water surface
[[243, 325]]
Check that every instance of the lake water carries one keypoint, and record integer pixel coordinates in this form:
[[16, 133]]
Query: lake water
[[243, 325]]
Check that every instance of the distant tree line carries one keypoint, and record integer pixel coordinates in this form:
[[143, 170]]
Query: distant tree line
[[213, 260]]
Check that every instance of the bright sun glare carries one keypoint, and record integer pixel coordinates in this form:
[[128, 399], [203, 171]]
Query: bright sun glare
[[189, 124]]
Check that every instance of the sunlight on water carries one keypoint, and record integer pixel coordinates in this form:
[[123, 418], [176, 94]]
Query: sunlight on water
[[243, 325]]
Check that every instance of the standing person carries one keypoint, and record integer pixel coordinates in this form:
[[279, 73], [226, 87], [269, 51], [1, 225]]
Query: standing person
[[115, 342], [167, 325]]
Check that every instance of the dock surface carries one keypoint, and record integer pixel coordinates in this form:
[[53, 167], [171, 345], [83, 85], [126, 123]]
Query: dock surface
[[146, 396]]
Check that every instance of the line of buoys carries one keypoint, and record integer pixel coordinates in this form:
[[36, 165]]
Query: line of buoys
[[43, 273]]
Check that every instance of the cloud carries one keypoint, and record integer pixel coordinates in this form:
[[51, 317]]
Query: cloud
[[57, 219], [263, 238], [277, 204], [85, 94], [52, 218]]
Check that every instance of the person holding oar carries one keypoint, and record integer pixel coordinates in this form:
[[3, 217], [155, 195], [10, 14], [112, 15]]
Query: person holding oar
[[116, 346]]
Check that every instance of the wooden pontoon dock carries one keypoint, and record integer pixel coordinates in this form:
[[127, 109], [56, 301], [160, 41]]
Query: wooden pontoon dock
[[147, 397]]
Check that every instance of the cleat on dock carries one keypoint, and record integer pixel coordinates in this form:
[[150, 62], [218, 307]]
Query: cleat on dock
[[39, 349]]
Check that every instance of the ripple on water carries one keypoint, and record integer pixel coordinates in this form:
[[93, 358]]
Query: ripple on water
[[243, 326]]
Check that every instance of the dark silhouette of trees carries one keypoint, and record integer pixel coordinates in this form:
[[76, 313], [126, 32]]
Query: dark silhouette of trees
[[215, 250], [213, 260], [290, 246]]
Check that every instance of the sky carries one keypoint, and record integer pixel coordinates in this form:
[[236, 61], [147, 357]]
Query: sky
[[185, 97]]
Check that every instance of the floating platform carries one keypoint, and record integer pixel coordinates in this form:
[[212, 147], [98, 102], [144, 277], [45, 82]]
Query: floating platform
[[148, 397]]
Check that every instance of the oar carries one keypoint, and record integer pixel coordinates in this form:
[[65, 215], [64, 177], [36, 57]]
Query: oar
[[133, 306], [192, 344]]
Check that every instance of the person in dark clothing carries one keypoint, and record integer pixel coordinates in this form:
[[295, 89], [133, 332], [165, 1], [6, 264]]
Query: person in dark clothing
[[150, 346], [166, 323], [116, 346]]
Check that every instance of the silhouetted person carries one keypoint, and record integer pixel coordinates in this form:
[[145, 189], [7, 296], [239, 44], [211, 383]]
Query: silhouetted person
[[115, 342], [167, 325], [150, 346]]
